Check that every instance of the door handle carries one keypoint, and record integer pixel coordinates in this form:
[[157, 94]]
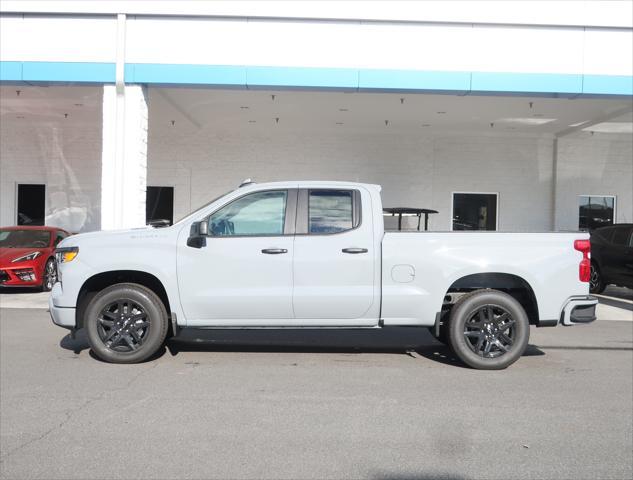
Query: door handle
[[274, 251], [355, 250]]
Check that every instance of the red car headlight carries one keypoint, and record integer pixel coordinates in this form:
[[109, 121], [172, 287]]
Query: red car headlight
[[27, 257]]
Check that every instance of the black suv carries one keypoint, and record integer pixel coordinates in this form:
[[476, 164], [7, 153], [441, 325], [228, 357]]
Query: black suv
[[612, 257]]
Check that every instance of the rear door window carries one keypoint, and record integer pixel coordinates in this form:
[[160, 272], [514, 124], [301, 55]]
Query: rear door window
[[330, 211], [621, 236]]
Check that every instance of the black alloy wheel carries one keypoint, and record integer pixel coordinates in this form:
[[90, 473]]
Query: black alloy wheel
[[490, 331], [125, 323]]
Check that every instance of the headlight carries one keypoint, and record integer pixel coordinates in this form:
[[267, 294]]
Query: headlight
[[66, 254], [27, 257]]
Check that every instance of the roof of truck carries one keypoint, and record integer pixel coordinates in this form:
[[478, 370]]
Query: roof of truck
[[311, 183]]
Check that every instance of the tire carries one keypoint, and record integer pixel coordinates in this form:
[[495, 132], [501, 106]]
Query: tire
[[49, 275], [596, 282], [125, 323], [484, 341]]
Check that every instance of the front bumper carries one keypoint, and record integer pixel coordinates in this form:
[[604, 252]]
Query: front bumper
[[579, 310], [62, 316], [24, 274]]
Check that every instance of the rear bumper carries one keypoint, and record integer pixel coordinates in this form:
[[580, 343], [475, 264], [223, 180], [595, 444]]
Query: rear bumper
[[61, 316], [579, 310]]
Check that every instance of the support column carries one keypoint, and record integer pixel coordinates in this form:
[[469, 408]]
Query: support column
[[124, 157]]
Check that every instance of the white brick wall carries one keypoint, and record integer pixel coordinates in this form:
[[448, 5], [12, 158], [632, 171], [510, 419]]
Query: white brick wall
[[63, 155], [597, 165], [414, 171], [420, 172]]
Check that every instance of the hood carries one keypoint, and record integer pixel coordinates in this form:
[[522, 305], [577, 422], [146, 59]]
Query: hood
[[116, 237], [8, 254]]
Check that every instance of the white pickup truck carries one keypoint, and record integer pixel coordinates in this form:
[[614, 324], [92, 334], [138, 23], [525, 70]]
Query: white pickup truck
[[316, 255]]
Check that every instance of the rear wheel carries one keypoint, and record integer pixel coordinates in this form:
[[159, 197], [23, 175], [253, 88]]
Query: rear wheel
[[596, 283], [125, 323], [488, 329]]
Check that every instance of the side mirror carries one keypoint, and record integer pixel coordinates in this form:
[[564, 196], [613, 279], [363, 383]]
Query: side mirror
[[198, 235]]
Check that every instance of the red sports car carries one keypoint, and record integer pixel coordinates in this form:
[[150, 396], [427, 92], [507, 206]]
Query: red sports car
[[27, 256]]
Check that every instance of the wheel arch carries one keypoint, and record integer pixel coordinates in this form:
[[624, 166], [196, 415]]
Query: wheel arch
[[513, 285], [102, 280]]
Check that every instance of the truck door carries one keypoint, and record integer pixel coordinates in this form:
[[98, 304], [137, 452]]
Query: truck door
[[335, 258], [243, 275]]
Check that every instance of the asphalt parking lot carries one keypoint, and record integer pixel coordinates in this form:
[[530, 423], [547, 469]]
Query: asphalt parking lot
[[390, 405]]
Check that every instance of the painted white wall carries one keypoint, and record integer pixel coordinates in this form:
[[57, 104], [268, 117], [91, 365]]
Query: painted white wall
[[414, 171], [309, 43], [601, 164], [124, 157], [446, 47], [41, 38], [62, 153]]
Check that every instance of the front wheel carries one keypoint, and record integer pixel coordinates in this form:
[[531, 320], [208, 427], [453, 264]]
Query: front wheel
[[488, 330], [49, 277], [126, 323]]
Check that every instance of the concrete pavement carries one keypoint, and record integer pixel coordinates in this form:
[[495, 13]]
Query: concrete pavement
[[363, 409]]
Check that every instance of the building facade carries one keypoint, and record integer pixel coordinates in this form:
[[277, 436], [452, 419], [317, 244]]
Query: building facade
[[506, 116]]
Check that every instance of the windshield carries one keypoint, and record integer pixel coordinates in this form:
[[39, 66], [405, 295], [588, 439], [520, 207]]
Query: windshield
[[24, 238], [203, 206]]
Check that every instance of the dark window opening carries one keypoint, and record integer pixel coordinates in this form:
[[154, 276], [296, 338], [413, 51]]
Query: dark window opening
[[31, 204], [159, 204], [595, 212], [474, 211]]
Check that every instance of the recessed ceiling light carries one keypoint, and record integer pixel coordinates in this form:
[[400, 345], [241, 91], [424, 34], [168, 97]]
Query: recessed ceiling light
[[611, 127], [526, 121]]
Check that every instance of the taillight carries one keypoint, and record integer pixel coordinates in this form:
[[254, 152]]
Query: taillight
[[584, 269]]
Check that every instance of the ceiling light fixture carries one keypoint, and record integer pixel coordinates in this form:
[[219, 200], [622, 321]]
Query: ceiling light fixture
[[527, 121], [611, 127]]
